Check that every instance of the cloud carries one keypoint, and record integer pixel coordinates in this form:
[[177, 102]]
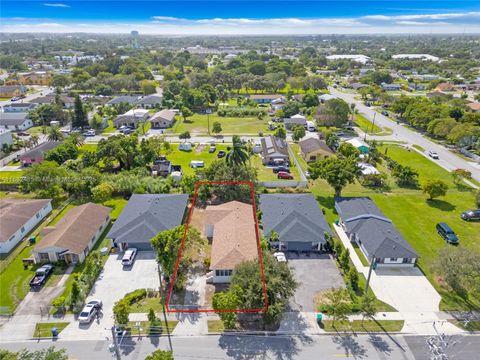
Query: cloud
[[57, 5], [445, 16], [408, 22], [166, 18]]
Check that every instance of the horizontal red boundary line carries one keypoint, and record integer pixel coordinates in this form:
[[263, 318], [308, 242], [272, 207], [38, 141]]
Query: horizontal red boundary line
[[257, 233]]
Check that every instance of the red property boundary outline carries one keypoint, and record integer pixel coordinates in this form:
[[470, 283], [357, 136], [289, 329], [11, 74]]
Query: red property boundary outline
[[254, 206]]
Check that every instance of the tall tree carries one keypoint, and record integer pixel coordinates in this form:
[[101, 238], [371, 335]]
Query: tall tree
[[337, 172], [80, 117], [368, 306], [237, 154], [54, 134]]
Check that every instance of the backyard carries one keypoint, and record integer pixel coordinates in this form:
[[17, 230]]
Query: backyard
[[197, 124], [415, 217]]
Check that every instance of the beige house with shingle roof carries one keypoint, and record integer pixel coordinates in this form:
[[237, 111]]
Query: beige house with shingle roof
[[18, 217], [72, 238], [231, 227]]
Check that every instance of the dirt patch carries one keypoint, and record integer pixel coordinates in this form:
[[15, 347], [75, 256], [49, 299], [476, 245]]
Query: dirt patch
[[199, 149], [197, 220]]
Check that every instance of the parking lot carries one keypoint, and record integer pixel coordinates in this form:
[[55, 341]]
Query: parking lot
[[314, 273], [112, 285]]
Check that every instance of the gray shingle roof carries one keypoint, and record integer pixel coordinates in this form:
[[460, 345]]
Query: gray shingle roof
[[377, 233], [15, 118], [295, 217], [126, 98], [40, 150], [313, 144], [145, 215], [150, 99]]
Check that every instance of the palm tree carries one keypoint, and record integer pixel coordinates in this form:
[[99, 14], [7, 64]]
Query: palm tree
[[34, 139], [77, 139], [54, 134], [237, 154]]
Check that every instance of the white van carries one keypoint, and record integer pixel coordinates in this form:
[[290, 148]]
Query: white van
[[311, 126], [129, 257], [197, 164]]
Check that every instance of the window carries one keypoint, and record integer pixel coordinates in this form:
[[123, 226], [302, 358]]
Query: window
[[393, 259], [43, 256], [85, 252], [223, 272], [38, 215], [13, 237], [22, 229]]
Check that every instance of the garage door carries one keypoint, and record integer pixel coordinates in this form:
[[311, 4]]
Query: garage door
[[299, 246], [143, 246]]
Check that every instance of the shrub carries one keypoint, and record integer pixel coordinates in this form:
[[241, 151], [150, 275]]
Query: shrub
[[135, 296], [121, 311]]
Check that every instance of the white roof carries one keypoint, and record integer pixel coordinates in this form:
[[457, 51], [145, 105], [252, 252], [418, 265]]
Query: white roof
[[416, 56], [358, 58], [137, 112], [367, 169], [326, 97], [298, 116], [357, 142]]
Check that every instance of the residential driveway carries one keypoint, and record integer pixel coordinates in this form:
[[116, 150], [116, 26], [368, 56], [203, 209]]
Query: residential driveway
[[112, 285], [314, 273]]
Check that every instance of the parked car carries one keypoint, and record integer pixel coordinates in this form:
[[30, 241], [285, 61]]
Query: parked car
[[41, 276], [284, 175], [212, 148], [280, 257], [15, 98], [221, 154], [127, 131], [447, 233], [433, 154], [277, 169], [470, 215], [89, 133], [23, 133], [129, 257], [96, 303], [88, 313], [385, 113], [194, 164]]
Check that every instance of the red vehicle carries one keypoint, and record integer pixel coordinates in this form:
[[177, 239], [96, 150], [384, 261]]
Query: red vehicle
[[284, 175]]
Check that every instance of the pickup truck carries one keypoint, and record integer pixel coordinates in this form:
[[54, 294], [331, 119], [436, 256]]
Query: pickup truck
[[41, 276]]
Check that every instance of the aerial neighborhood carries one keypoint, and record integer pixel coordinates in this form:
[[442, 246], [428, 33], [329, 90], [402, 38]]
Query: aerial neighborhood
[[308, 185]]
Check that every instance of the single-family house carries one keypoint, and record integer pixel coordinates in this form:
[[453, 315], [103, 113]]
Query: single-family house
[[129, 99], [68, 102], [144, 216], [314, 149], [416, 87], [359, 144], [264, 99], [373, 232], [9, 91], [391, 87], [131, 118], [163, 119], [34, 78], [74, 235], [296, 219], [274, 151], [357, 86], [297, 119], [6, 138], [474, 106], [149, 101], [18, 217], [18, 107], [161, 167], [37, 154], [278, 103], [326, 97], [445, 87], [231, 228], [15, 121]]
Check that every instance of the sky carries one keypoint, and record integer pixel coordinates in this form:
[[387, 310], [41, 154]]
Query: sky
[[227, 17]]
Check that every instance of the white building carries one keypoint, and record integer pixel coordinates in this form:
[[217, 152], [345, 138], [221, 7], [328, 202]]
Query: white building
[[5, 138], [18, 217]]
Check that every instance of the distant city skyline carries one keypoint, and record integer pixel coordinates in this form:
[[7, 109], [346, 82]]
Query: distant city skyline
[[242, 17]]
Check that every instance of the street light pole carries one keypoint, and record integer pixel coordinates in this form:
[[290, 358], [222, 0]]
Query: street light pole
[[115, 344], [372, 266]]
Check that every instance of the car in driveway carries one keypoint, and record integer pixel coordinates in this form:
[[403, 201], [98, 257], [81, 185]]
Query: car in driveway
[[88, 313], [277, 169], [447, 233], [221, 154], [433, 154], [41, 276], [284, 175], [212, 148], [280, 257], [89, 133], [385, 113], [129, 257], [470, 215]]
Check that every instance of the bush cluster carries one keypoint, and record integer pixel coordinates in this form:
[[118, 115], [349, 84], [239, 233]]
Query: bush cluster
[[241, 112]]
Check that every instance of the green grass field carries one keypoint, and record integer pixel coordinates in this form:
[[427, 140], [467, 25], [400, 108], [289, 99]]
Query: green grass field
[[215, 326], [45, 329], [10, 177], [415, 217], [183, 158], [365, 125], [365, 326], [198, 125]]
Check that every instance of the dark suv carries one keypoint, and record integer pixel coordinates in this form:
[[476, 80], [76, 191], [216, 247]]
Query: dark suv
[[447, 233], [470, 215]]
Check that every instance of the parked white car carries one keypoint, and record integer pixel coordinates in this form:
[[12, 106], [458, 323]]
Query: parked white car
[[433, 154], [129, 257], [280, 256], [88, 313]]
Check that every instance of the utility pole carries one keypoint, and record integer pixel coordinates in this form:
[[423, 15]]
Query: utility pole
[[162, 300], [115, 344], [372, 266]]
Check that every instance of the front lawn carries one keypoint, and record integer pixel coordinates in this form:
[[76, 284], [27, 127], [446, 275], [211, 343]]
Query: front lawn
[[215, 326], [183, 158], [45, 329], [366, 125], [10, 177], [144, 305], [266, 173], [415, 217], [198, 125], [363, 326]]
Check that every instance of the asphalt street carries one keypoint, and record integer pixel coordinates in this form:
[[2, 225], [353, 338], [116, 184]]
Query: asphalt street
[[237, 347], [448, 160]]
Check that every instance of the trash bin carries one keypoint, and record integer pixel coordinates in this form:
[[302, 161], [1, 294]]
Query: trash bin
[[319, 317], [32, 240], [54, 332]]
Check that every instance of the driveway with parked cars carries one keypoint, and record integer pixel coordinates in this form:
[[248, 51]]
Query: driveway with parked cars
[[113, 283], [314, 273]]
